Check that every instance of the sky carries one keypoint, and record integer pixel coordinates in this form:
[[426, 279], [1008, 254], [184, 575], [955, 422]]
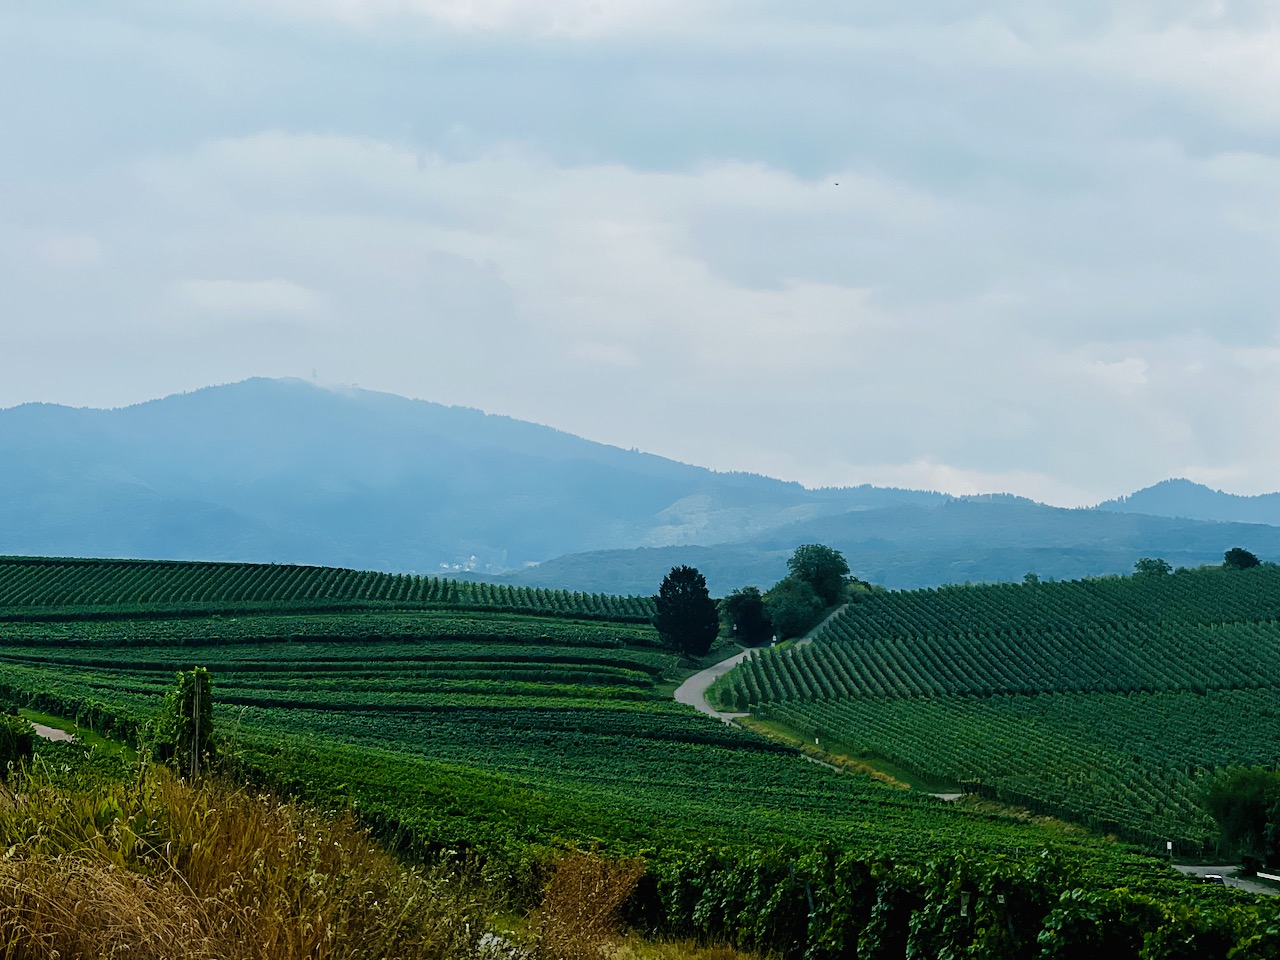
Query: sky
[[997, 247]]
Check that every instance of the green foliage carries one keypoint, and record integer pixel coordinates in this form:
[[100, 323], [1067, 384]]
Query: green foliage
[[1104, 701], [17, 741], [502, 739], [793, 606], [745, 615], [685, 615], [185, 729], [121, 587], [1245, 803], [1238, 558], [822, 568], [1152, 567]]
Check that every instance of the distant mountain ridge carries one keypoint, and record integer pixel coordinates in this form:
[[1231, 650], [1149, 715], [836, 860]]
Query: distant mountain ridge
[[1195, 501], [285, 471], [961, 540]]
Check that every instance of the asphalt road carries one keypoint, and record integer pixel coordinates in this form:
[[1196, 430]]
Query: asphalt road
[[693, 691], [1225, 871]]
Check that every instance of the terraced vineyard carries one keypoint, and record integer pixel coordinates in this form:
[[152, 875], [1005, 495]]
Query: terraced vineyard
[[576, 713], [508, 734], [1105, 701], [35, 584]]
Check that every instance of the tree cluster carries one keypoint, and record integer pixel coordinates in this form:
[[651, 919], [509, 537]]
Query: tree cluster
[[1152, 567], [817, 578], [1238, 558], [745, 615], [688, 620]]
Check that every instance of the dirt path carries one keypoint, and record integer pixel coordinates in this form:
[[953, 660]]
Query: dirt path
[[52, 733]]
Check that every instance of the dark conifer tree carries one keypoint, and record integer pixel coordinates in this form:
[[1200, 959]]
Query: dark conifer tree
[[686, 617]]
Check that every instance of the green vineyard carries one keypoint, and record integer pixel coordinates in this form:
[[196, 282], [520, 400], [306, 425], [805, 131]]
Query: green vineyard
[[489, 730], [1104, 701], [502, 728], [35, 584]]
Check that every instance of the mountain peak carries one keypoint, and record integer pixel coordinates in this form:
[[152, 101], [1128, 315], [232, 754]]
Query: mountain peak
[[1180, 497]]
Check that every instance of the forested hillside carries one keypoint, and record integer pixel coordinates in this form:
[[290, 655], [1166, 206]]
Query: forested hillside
[[285, 471]]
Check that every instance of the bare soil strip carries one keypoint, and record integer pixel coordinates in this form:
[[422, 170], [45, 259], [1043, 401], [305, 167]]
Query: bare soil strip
[[52, 733]]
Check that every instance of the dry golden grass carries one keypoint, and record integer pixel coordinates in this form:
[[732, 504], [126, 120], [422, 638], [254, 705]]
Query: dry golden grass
[[636, 948], [580, 916], [157, 869]]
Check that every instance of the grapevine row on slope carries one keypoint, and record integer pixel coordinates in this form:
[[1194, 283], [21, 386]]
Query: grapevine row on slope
[[34, 583], [1113, 658]]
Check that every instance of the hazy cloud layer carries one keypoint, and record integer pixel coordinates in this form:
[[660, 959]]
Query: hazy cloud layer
[[961, 246]]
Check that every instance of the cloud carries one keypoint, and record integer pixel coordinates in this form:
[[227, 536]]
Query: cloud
[[249, 298], [573, 18], [591, 255], [1124, 376], [1024, 247], [69, 250]]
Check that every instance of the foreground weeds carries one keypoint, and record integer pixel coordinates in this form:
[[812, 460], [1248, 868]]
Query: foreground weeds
[[634, 948], [155, 868], [581, 913]]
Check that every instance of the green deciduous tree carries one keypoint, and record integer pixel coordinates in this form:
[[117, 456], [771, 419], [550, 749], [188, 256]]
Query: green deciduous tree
[[1238, 558], [1152, 567], [793, 606], [744, 612], [686, 618], [822, 568]]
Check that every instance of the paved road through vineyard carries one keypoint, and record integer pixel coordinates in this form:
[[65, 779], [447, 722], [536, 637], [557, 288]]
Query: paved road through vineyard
[[693, 691]]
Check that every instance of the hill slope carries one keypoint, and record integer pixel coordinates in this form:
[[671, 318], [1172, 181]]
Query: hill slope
[[504, 738], [1106, 701], [976, 539], [1195, 501], [284, 471], [287, 472]]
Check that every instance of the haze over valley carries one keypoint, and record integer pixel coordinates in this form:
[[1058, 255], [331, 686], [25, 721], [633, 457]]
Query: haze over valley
[[285, 471]]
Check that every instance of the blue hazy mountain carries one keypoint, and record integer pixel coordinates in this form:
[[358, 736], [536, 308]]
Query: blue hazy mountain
[[1195, 501], [975, 539], [286, 471]]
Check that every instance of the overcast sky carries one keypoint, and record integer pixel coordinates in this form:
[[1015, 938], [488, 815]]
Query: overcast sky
[[970, 247]]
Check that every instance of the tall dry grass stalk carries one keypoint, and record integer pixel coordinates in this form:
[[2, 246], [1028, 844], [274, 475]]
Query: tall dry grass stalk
[[637, 948], [580, 916], [155, 868]]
